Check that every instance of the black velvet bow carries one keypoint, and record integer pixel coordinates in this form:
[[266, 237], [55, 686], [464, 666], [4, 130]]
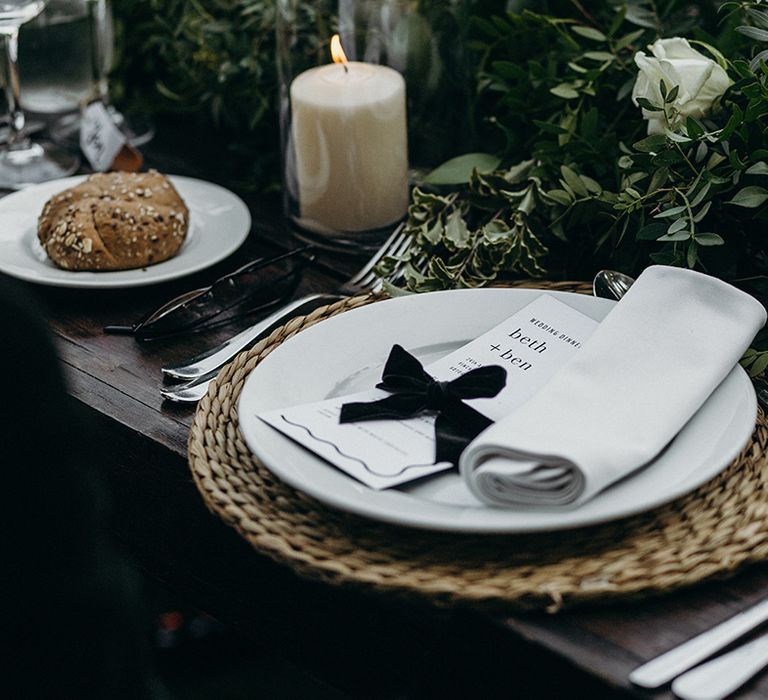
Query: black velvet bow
[[413, 391]]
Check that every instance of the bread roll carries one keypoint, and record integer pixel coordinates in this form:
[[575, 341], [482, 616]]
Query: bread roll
[[114, 221]]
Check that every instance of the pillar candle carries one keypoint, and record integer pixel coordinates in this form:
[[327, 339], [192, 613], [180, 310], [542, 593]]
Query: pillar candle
[[350, 145]]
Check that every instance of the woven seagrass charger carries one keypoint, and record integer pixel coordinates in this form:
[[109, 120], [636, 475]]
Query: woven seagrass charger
[[712, 532]]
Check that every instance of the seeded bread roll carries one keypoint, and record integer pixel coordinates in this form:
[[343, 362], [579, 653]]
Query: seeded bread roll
[[114, 221]]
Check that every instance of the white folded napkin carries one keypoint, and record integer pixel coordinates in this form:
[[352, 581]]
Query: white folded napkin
[[618, 402]]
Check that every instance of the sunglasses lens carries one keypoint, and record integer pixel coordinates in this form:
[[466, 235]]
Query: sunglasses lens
[[251, 288], [171, 306]]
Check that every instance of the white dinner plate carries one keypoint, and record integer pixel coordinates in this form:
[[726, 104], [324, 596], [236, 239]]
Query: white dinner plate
[[219, 222], [346, 353]]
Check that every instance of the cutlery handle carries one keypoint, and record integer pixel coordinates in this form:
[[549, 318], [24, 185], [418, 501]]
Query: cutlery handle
[[217, 357], [719, 678], [664, 668], [190, 392]]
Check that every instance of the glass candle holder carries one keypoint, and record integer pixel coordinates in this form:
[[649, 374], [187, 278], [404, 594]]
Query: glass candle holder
[[363, 85]]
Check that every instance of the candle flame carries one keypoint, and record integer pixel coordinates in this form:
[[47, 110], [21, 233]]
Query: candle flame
[[337, 52]]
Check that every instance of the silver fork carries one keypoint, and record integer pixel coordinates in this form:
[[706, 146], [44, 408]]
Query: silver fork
[[201, 369]]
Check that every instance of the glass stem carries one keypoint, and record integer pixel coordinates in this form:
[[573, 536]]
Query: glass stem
[[16, 117], [99, 19]]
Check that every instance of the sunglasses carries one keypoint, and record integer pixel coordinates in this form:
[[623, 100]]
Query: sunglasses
[[255, 287]]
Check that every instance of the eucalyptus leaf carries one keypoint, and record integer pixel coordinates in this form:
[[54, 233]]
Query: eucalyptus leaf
[[750, 197], [507, 69], [677, 236], [599, 56], [626, 88], [709, 239], [564, 91], [673, 93], [646, 104], [641, 16], [677, 138], [574, 181], [628, 39], [678, 225], [651, 144], [714, 160], [694, 128], [588, 32], [458, 171], [754, 33], [692, 254], [758, 59], [550, 128], [759, 365], [722, 61], [759, 168], [659, 178], [700, 195], [732, 124], [592, 185], [759, 17], [667, 213], [559, 196], [702, 213]]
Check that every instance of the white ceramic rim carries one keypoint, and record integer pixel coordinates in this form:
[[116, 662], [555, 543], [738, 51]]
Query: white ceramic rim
[[705, 446], [219, 224]]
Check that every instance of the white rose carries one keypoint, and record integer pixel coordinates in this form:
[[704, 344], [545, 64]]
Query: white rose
[[700, 80]]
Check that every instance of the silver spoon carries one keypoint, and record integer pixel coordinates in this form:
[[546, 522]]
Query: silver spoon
[[611, 284]]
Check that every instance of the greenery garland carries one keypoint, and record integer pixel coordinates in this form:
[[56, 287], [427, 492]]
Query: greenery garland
[[567, 179], [212, 62], [594, 190]]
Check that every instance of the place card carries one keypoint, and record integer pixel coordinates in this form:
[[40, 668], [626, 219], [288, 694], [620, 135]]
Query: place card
[[103, 144], [531, 345]]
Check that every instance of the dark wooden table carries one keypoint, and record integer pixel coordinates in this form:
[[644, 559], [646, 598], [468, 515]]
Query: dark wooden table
[[358, 644]]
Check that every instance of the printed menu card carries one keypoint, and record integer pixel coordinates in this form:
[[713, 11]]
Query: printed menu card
[[531, 345]]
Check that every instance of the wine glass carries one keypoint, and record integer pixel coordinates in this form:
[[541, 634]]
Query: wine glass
[[55, 59], [137, 130], [22, 161]]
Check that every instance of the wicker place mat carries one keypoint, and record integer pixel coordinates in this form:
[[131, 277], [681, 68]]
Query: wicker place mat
[[712, 532]]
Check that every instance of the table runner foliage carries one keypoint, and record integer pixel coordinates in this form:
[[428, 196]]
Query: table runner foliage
[[568, 180]]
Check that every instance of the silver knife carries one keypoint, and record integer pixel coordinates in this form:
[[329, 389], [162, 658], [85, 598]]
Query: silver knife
[[212, 360], [664, 668], [718, 678]]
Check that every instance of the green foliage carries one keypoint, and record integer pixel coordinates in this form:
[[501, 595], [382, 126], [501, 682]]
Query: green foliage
[[755, 361], [593, 189], [211, 62], [564, 179], [579, 184], [458, 170], [461, 255]]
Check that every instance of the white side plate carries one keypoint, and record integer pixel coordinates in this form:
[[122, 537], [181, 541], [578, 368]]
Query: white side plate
[[219, 222]]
